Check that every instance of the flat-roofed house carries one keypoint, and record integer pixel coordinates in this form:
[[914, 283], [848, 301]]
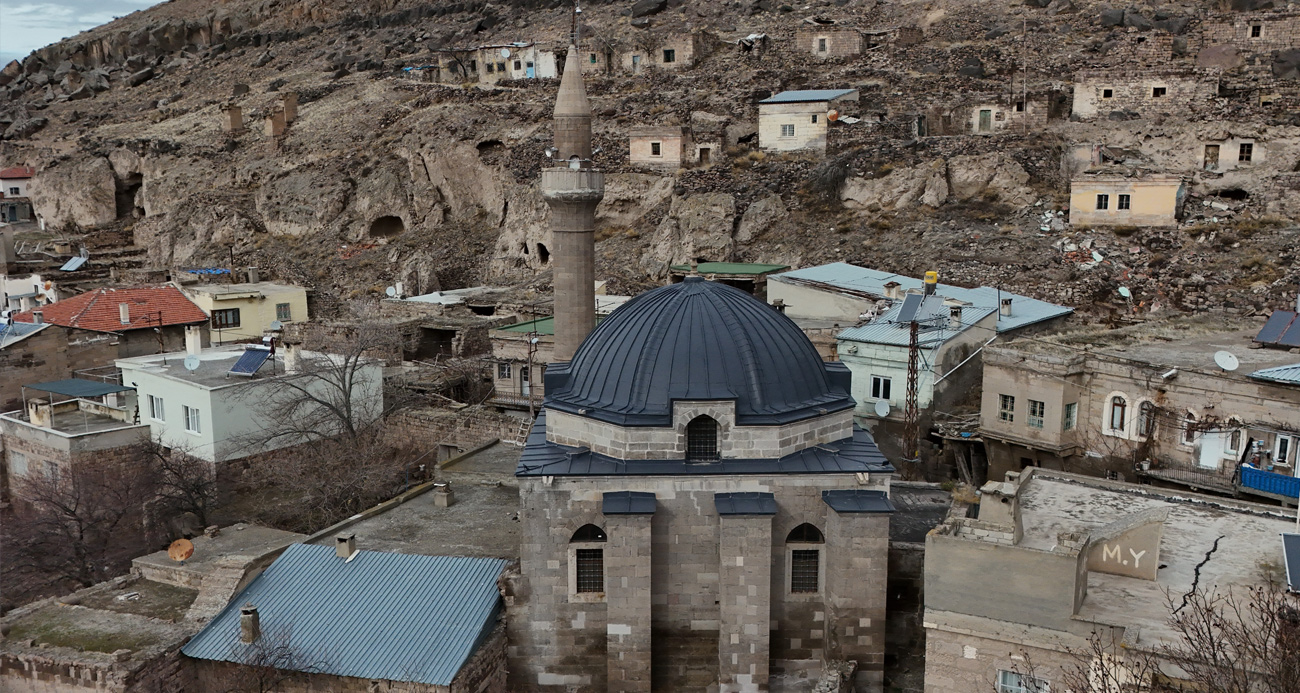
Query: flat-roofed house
[[794, 120], [1099, 199]]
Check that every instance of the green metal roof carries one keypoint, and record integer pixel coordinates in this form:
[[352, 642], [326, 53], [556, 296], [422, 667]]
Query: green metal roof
[[543, 326], [731, 268]]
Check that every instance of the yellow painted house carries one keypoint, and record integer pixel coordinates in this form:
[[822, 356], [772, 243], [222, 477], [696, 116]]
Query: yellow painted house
[[1115, 200], [242, 312]]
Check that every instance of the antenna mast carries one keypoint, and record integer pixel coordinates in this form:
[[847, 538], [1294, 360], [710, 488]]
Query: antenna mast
[[575, 29], [911, 414]]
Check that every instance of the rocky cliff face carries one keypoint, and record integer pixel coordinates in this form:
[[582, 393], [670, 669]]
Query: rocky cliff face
[[385, 176]]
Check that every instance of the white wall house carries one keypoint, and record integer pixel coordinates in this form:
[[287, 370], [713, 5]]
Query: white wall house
[[798, 119], [215, 414]]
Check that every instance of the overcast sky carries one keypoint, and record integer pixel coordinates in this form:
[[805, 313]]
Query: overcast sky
[[26, 25]]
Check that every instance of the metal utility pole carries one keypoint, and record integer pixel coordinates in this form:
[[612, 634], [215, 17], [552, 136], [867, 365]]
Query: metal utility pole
[[911, 413]]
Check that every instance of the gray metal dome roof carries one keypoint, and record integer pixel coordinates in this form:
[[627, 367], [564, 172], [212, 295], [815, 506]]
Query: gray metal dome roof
[[697, 340]]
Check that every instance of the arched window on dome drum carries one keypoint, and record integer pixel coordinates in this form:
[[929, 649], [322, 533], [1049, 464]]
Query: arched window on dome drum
[[702, 440], [589, 573], [805, 561]]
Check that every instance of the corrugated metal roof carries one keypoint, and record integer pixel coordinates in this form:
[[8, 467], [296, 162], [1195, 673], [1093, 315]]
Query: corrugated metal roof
[[382, 616], [842, 275], [848, 456], [1289, 375], [627, 503], [76, 387], [805, 95], [858, 501], [754, 268], [13, 333], [745, 503], [932, 317]]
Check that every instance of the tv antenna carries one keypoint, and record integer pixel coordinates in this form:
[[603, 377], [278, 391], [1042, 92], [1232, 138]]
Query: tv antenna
[[1226, 360]]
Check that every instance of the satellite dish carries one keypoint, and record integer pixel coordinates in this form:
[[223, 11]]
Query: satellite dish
[[1226, 360], [505, 52], [832, 115], [391, 291], [180, 550], [191, 363], [276, 326], [882, 408], [1124, 291]]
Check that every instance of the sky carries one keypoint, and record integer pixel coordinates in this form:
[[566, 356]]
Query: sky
[[26, 25]]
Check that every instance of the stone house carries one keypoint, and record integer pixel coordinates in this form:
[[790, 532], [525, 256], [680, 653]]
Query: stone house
[[1018, 583], [354, 620], [1231, 153], [689, 527], [674, 52], [663, 146], [1113, 199], [521, 60], [829, 41], [15, 184], [794, 120], [1252, 32], [35, 353], [244, 312], [143, 320], [1147, 93], [1160, 404]]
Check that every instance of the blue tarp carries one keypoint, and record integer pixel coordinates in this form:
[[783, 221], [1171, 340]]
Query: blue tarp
[[1269, 482]]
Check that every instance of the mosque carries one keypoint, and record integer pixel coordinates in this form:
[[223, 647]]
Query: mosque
[[698, 511]]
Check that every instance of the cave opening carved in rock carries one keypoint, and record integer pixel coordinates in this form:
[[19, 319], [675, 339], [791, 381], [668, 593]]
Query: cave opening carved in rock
[[386, 227], [126, 191]]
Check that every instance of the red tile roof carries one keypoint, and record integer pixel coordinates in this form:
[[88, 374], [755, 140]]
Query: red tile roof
[[18, 172], [98, 310]]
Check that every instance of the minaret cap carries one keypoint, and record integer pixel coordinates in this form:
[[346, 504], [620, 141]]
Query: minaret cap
[[572, 100]]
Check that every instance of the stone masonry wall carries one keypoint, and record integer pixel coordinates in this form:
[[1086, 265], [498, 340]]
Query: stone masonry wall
[[1276, 31], [464, 429], [1185, 93], [964, 662], [51, 354]]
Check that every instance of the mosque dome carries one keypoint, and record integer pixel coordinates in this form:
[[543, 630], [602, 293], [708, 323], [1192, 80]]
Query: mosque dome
[[697, 340]]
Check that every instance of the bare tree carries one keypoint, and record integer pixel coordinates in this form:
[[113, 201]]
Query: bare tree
[[185, 483], [268, 664]]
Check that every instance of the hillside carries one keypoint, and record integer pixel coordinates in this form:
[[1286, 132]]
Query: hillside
[[385, 176]]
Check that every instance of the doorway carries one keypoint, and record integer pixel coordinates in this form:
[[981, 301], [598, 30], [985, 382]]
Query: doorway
[[1211, 157], [524, 377], [921, 130], [636, 64], [1211, 450], [986, 120], [704, 156]]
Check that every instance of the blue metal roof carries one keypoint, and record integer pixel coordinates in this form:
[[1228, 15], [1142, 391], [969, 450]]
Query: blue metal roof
[[932, 316], [383, 616], [842, 275], [806, 95], [1289, 375], [627, 503], [76, 387], [13, 332]]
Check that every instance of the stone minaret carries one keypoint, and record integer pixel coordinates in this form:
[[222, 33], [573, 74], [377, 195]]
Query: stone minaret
[[573, 187]]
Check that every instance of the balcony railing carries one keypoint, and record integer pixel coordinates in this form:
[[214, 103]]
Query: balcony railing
[[1272, 483]]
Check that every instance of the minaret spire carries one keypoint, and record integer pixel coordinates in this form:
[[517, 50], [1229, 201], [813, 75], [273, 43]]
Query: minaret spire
[[572, 188]]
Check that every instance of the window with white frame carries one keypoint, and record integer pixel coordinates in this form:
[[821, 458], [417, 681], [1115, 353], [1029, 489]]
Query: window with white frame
[[787, 130], [1284, 448], [156, 411], [1070, 416], [1036, 410], [1013, 682], [1232, 442], [880, 387], [1118, 413], [191, 419], [1006, 408], [503, 371]]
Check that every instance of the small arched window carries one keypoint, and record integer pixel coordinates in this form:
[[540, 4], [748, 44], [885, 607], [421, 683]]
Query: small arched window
[[805, 560], [1146, 419], [1189, 429], [589, 563], [702, 440], [1118, 413]]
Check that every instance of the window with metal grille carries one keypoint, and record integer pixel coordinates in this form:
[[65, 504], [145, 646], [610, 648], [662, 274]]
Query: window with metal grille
[[225, 318], [283, 312], [1103, 202], [702, 440], [490, 68], [1006, 408], [501, 67], [821, 45], [1245, 152], [1125, 201], [656, 149], [591, 570], [503, 371], [1036, 410], [804, 565]]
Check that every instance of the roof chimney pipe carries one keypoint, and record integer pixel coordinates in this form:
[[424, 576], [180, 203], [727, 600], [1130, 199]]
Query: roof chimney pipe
[[931, 282], [345, 545], [38, 317], [1005, 308], [124, 313], [253, 275], [193, 340], [250, 624], [954, 317]]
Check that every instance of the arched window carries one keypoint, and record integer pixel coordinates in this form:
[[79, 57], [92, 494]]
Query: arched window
[[1118, 413], [805, 560], [1146, 419], [1189, 429], [589, 563], [702, 440]]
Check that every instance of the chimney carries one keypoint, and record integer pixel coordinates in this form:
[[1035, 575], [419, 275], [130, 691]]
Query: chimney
[[401, 290], [38, 317], [1005, 308], [124, 313], [250, 624], [253, 276], [292, 358], [779, 304], [39, 413], [931, 282], [193, 340], [345, 545], [893, 290], [954, 317]]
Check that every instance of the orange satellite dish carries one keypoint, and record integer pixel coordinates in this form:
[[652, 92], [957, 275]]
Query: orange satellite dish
[[180, 550], [832, 115]]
